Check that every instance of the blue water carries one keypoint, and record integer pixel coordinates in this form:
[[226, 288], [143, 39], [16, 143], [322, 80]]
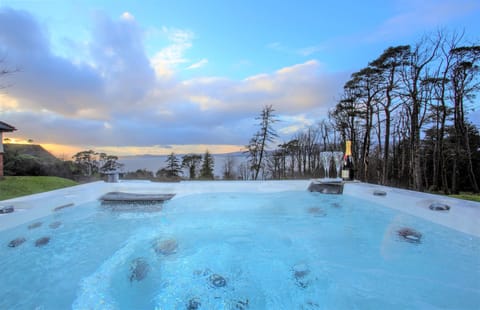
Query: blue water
[[293, 250]]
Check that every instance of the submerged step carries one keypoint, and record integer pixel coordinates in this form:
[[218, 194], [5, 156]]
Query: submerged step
[[133, 202], [121, 197], [326, 187]]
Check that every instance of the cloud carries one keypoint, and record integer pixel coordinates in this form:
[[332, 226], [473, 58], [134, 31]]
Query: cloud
[[198, 64], [295, 124], [115, 97], [209, 110], [28, 34], [117, 50], [127, 16], [117, 72], [168, 58], [45, 81], [217, 109]]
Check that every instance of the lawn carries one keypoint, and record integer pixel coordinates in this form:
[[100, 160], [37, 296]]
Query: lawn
[[13, 186], [467, 196]]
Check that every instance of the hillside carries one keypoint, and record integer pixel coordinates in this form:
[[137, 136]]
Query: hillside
[[32, 150]]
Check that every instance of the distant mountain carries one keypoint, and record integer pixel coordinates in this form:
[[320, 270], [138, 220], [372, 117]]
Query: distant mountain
[[32, 150], [233, 154]]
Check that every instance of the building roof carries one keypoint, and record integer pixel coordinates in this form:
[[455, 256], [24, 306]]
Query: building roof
[[4, 127]]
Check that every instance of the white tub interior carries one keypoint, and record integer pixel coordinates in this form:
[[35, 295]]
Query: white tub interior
[[463, 215]]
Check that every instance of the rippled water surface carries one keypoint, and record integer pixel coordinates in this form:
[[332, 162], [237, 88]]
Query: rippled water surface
[[292, 250]]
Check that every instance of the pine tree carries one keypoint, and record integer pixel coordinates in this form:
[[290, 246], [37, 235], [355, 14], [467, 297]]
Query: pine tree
[[173, 168], [206, 171]]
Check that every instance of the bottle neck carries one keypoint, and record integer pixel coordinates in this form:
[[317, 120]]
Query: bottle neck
[[348, 148]]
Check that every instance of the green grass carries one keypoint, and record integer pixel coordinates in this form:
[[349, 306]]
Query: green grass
[[11, 187], [467, 196]]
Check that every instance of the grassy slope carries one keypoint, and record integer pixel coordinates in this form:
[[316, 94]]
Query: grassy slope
[[473, 197], [12, 187]]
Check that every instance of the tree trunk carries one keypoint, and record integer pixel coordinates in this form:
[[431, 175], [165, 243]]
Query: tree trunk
[[454, 172], [386, 147], [443, 161], [466, 142]]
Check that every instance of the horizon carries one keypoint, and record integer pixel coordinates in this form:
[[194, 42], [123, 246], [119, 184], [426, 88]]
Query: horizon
[[133, 78], [70, 155], [150, 162]]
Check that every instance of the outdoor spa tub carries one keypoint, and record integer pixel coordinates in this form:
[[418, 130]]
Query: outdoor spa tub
[[240, 245]]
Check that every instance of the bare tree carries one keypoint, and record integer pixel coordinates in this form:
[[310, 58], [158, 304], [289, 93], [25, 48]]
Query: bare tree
[[258, 143], [412, 74], [465, 83], [228, 164], [389, 64], [440, 108], [243, 171]]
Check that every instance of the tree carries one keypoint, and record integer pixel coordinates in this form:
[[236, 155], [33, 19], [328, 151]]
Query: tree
[[276, 164], [347, 116], [86, 162], [365, 84], [89, 163], [139, 174], [19, 164], [23, 165], [191, 162], [109, 163], [253, 155], [206, 172], [415, 97], [257, 146], [228, 164], [243, 171], [173, 168], [465, 83], [388, 64], [440, 108], [290, 150]]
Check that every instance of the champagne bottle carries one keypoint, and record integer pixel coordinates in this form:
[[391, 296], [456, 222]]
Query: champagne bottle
[[347, 167]]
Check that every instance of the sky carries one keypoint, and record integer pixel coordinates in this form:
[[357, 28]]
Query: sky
[[155, 77]]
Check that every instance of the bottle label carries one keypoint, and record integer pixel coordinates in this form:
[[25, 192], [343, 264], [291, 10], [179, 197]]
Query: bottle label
[[345, 174]]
